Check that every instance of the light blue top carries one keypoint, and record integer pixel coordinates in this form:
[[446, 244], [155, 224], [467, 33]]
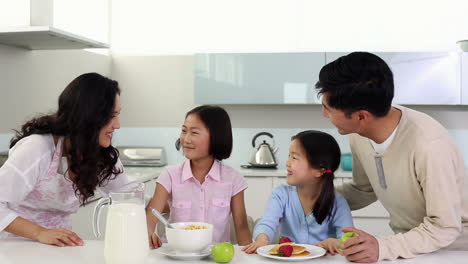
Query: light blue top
[[285, 209]]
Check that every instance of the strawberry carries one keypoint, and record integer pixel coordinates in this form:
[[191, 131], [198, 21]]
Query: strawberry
[[285, 251], [285, 240]]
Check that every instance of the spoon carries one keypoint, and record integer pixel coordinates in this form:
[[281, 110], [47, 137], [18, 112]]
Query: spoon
[[161, 217]]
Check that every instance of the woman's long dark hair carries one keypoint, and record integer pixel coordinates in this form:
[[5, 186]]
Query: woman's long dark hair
[[322, 152], [84, 107]]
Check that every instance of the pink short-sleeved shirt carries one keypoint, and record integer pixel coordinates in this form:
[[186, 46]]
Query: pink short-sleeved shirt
[[209, 202]]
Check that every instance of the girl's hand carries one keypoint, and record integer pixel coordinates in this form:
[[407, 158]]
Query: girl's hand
[[331, 245], [154, 241], [252, 247], [59, 237]]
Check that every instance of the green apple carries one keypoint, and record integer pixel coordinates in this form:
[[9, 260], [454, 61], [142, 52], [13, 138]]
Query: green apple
[[223, 252], [347, 236]]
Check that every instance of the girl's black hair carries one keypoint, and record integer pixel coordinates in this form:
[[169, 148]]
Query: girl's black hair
[[322, 152], [217, 120], [84, 107]]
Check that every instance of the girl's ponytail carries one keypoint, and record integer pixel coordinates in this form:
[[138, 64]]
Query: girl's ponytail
[[325, 203]]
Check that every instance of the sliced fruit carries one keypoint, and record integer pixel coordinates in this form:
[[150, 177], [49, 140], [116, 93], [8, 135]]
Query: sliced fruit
[[285, 251], [285, 240], [274, 250]]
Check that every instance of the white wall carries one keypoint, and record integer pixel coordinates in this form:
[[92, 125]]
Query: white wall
[[151, 27], [31, 81], [156, 91]]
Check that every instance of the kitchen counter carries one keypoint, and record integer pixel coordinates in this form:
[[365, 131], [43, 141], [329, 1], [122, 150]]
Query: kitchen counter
[[21, 251], [143, 174], [283, 173]]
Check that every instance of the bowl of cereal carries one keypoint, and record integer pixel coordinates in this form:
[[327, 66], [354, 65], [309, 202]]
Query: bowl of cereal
[[189, 237]]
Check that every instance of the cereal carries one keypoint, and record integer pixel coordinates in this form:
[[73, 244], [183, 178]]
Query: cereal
[[194, 227]]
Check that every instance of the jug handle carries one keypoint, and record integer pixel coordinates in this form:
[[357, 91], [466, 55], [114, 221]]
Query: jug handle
[[97, 215]]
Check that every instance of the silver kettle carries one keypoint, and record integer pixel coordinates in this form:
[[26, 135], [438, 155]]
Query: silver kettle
[[264, 156]]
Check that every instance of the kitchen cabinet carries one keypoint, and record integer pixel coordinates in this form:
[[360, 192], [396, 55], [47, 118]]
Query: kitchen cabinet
[[82, 221], [422, 78], [464, 78], [283, 180], [257, 195], [257, 78]]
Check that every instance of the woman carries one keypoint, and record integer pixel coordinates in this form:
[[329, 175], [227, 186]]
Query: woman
[[56, 162]]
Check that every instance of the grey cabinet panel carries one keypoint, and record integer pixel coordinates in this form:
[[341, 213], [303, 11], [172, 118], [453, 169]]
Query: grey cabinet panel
[[464, 79], [430, 78], [257, 78]]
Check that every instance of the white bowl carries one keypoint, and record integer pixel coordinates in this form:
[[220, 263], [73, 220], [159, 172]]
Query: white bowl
[[189, 241]]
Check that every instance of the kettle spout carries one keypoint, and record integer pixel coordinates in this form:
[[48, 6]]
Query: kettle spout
[[275, 150]]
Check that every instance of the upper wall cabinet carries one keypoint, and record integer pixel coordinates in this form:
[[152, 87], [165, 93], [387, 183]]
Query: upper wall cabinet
[[428, 78], [257, 78]]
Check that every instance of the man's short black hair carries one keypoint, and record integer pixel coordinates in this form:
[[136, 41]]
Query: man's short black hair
[[217, 120], [357, 81]]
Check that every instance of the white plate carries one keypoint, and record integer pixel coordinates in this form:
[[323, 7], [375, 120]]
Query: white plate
[[315, 252], [167, 251]]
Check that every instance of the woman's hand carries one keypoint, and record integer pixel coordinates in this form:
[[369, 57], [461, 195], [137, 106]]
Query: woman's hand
[[262, 240], [59, 237], [154, 241], [331, 245]]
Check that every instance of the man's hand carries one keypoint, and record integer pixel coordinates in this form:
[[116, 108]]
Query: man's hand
[[363, 248]]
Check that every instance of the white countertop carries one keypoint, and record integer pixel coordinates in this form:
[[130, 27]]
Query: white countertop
[[21, 251], [143, 174], [283, 173]]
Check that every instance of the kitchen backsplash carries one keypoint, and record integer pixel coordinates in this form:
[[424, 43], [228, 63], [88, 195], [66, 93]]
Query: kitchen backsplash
[[242, 151]]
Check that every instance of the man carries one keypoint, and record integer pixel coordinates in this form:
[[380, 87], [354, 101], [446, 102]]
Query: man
[[401, 157]]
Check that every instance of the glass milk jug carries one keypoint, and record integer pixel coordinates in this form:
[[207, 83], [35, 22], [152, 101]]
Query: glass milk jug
[[126, 238]]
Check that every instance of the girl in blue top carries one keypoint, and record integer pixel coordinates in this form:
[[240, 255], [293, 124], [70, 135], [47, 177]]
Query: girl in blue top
[[307, 210]]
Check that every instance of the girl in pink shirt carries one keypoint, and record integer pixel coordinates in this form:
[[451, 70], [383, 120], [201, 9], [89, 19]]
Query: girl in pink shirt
[[203, 189]]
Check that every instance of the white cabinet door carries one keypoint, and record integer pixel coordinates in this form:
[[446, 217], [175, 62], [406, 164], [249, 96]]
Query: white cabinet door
[[277, 181], [426, 78], [431, 78], [283, 180], [150, 188], [373, 226], [82, 221], [257, 194], [464, 78]]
